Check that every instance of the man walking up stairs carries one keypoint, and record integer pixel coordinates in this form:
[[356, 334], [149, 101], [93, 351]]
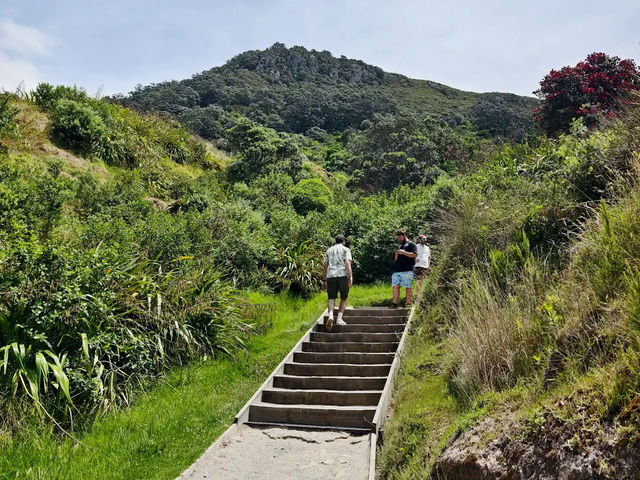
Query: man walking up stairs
[[337, 277]]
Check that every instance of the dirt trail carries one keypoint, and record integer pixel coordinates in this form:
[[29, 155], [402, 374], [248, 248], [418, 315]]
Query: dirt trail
[[268, 453]]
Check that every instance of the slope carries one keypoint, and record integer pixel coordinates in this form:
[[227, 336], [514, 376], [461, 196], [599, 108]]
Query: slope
[[295, 89]]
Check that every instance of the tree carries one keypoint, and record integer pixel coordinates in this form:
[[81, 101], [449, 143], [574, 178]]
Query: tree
[[592, 89], [261, 150], [396, 149]]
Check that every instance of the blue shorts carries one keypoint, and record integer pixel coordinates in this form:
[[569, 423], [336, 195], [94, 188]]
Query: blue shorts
[[404, 279]]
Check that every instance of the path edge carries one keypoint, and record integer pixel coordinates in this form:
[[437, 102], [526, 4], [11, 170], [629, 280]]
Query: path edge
[[243, 414], [387, 394]]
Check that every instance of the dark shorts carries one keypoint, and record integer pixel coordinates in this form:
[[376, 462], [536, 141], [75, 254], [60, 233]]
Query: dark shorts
[[338, 284], [420, 272]]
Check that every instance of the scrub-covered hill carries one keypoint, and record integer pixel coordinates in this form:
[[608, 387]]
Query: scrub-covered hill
[[296, 90]]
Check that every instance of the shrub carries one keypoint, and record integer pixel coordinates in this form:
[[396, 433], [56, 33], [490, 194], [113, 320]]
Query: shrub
[[118, 319], [592, 88], [7, 114], [77, 127], [311, 195], [8, 125], [46, 96], [261, 150], [299, 269]]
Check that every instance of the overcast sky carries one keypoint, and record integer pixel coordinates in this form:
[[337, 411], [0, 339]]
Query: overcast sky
[[479, 45]]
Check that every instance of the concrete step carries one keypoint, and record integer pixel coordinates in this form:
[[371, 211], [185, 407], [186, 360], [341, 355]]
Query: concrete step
[[375, 311], [317, 415], [363, 327], [368, 347], [329, 383], [336, 369], [343, 357], [371, 320], [321, 397], [355, 337]]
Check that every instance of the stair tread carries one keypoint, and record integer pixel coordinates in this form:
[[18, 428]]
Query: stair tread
[[302, 406], [308, 427], [312, 390], [358, 337], [332, 377], [358, 343], [339, 364], [367, 347]]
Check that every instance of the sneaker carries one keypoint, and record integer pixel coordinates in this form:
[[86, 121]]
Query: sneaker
[[394, 305], [341, 321], [328, 324]]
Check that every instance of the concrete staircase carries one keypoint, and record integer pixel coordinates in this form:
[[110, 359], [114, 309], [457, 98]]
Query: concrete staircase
[[333, 380]]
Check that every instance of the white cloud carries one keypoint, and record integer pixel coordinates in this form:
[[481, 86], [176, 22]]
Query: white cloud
[[17, 44], [16, 71], [22, 39]]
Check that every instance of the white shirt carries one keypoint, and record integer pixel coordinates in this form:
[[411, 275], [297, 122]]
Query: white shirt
[[336, 260], [424, 256]]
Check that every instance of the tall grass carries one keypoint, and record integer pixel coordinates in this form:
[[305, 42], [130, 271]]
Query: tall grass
[[498, 336], [169, 426]]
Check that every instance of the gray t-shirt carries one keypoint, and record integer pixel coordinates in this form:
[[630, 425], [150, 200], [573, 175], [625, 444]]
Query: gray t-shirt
[[336, 259]]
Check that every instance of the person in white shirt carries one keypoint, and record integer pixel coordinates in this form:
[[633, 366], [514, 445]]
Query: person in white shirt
[[423, 260], [337, 277]]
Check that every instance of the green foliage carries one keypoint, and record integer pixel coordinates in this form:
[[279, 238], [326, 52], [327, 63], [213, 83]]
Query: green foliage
[[34, 374], [300, 269], [261, 150], [46, 96], [311, 195], [633, 300], [7, 115], [115, 134], [496, 332], [77, 127], [396, 150], [307, 91]]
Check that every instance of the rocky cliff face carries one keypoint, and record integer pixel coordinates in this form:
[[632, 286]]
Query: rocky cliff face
[[282, 64], [565, 441]]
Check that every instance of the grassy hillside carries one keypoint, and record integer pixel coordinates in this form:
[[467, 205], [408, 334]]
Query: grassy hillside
[[524, 358], [124, 240], [295, 90]]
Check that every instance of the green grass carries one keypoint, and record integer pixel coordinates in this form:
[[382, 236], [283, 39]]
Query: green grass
[[422, 410], [171, 425], [424, 413]]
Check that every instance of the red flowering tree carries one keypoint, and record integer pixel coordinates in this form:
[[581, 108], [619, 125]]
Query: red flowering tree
[[593, 88]]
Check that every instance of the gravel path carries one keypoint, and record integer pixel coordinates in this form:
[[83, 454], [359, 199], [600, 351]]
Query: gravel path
[[278, 453]]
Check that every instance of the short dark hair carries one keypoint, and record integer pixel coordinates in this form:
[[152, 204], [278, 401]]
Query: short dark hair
[[401, 232], [341, 239]]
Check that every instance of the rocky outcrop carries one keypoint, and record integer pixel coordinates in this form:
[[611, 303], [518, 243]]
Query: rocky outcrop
[[566, 441], [280, 63]]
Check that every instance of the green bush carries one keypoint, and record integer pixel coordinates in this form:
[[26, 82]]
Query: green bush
[[77, 127], [46, 96], [311, 195], [118, 319], [299, 269]]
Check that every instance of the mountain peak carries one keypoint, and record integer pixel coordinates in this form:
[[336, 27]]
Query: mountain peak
[[280, 63]]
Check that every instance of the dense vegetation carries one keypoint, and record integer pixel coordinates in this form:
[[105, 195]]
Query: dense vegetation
[[128, 244], [531, 312], [305, 91], [123, 244]]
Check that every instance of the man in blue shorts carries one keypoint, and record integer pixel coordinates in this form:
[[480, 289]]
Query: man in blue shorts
[[403, 262]]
